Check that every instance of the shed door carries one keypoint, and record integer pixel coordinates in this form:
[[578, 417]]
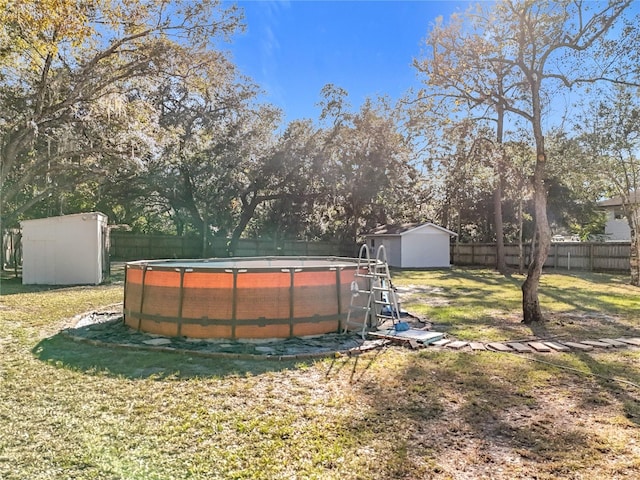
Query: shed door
[[41, 264]]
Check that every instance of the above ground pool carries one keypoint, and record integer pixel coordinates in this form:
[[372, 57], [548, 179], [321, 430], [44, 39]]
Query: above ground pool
[[239, 298]]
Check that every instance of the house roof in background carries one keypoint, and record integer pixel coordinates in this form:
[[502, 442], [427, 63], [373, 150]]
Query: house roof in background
[[634, 197], [402, 228]]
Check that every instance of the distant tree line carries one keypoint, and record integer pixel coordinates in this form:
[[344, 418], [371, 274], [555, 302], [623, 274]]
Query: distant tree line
[[528, 115]]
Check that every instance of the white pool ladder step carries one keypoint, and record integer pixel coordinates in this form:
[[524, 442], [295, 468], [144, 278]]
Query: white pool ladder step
[[384, 294], [379, 291]]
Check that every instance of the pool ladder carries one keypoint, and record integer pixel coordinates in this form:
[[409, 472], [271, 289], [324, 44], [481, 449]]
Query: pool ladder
[[382, 301]]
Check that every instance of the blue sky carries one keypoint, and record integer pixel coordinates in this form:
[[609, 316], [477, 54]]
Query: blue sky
[[293, 48]]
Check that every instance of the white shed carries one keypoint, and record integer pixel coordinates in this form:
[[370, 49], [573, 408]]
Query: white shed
[[66, 250], [413, 245]]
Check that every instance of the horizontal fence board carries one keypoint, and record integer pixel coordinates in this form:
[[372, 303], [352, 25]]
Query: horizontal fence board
[[602, 257], [128, 246]]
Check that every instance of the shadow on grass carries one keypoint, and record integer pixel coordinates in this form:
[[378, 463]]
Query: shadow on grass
[[438, 410], [471, 303], [617, 378], [14, 286], [541, 330], [489, 409], [64, 352], [591, 300], [445, 405], [359, 365], [483, 289], [11, 284]]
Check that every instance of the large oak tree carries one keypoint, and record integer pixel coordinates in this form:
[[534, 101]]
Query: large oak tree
[[68, 74], [517, 57]]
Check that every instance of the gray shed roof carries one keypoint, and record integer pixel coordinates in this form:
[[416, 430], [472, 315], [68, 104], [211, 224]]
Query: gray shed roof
[[401, 229]]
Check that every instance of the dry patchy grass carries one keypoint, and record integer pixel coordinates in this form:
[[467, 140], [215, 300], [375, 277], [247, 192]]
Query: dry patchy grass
[[476, 304], [70, 410]]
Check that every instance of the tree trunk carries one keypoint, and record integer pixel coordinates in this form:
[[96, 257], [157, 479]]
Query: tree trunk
[[530, 303], [634, 258], [200, 220], [248, 209], [531, 311], [501, 263], [205, 227], [520, 239]]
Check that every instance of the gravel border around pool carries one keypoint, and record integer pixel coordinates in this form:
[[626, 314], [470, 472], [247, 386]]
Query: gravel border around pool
[[107, 328]]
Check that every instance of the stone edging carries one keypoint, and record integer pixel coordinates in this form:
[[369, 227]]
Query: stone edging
[[105, 329], [138, 341], [228, 355], [536, 346]]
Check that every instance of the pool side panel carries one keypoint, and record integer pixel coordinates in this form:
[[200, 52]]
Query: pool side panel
[[202, 300]]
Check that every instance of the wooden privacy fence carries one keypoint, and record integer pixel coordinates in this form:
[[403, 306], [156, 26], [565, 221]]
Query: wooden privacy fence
[[128, 246], [595, 257], [11, 252]]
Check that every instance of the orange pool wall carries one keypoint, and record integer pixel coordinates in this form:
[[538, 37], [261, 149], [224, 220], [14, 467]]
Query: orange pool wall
[[253, 298]]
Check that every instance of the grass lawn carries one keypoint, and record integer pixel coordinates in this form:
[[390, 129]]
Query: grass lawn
[[71, 410]]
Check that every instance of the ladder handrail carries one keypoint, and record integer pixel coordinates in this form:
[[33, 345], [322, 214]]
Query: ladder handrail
[[363, 255], [378, 280], [392, 299]]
